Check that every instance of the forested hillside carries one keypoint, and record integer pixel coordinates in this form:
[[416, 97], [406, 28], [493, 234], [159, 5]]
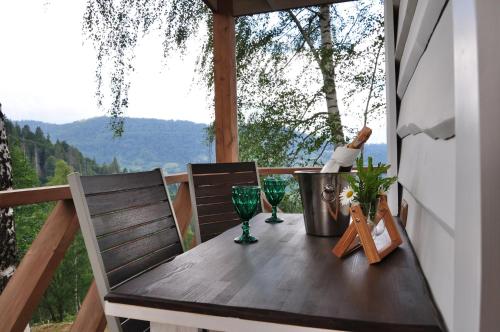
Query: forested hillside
[[145, 144], [150, 143], [37, 161], [43, 154]]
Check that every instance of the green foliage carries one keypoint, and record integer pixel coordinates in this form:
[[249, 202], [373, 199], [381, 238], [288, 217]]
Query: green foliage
[[73, 277], [29, 218], [114, 28], [284, 68], [36, 160], [69, 285], [61, 172], [368, 183], [42, 154], [281, 82], [146, 144], [291, 203], [283, 132], [23, 174]]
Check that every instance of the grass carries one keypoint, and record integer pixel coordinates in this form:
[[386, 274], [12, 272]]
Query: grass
[[57, 327]]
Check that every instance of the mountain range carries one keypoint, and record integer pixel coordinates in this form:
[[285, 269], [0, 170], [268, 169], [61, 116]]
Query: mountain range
[[146, 143]]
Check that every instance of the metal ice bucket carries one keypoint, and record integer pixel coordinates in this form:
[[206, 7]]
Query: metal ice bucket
[[323, 213]]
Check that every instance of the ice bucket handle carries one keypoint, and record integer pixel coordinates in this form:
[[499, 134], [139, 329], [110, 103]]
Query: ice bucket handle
[[328, 193]]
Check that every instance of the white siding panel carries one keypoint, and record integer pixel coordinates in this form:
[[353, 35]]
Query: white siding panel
[[405, 16], [428, 104], [435, 249], [426, 16], [427, 171], [391, 103]]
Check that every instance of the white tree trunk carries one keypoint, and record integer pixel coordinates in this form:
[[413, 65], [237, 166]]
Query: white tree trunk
[[7, 231], [328, 71]]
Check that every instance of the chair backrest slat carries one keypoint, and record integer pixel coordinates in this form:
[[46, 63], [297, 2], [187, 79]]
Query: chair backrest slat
[[98, 184], [218, 218], [128, 252], [115, 239], [128, 227], [210, 186], [144, 264], [120, 220], [109, 202], [214, 168]]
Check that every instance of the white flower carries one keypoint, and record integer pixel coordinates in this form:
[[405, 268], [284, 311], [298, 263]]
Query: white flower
[[347, 196]]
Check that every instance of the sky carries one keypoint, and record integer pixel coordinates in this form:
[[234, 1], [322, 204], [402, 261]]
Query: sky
[[47, 71]]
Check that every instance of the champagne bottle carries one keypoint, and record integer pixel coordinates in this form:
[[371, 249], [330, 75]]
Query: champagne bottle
[[360, 139], [343, 157]]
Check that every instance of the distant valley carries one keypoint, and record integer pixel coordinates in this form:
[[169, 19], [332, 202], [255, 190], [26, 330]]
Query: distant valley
[[146, 143]]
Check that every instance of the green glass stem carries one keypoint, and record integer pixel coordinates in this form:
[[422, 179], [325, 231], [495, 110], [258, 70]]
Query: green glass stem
[[245, 238], [274, 217]]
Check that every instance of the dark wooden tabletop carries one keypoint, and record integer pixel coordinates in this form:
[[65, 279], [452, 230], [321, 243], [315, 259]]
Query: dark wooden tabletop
[[289, 277]]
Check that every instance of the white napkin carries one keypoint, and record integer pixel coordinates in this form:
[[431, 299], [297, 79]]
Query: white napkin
[[342, 157]]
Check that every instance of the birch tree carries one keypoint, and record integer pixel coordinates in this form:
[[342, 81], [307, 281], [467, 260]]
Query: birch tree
[[287, 63], [292, 63], [7, 229]]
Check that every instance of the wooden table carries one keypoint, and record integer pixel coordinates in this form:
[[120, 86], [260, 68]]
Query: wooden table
[[288, 281]]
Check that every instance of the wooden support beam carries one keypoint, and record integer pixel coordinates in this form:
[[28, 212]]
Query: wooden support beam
[[91, 316], [226, 113], [24, 291]]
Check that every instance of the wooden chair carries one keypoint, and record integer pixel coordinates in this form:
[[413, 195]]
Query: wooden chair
[[210, 189], [128, 227]]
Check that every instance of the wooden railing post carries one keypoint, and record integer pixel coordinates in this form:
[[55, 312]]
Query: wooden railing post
[[24, 291], [90, 317], [182, 207]]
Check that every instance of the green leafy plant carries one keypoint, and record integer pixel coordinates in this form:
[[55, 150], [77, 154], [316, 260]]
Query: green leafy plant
[[368, 183]]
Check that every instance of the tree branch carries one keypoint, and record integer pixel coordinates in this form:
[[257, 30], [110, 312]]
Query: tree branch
[[312, 11], [370, 91], [305, 36], [320, 154]]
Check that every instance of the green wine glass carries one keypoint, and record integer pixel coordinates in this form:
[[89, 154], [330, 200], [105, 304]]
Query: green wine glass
[[274, 188], [245, 201]]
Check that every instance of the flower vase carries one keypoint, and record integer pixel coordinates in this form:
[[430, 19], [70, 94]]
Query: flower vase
[[370, 210]]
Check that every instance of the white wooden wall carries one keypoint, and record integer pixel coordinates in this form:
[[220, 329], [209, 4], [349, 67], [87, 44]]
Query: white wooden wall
[[425, 88], [443, 65], [476, 27]]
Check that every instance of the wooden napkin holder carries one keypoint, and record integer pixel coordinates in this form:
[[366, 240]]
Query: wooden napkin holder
[[359, 234]]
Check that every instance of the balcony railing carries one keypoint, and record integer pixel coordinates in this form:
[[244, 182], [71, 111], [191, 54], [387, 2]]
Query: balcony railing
[[33, 275]]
